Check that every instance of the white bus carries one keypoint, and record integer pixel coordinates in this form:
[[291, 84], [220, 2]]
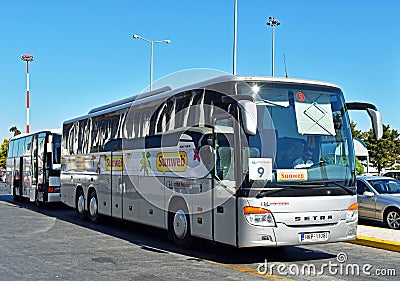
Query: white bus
[[33, 166], [215, 160]]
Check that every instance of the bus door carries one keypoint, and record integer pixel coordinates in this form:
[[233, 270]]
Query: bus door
[[224, 200], [115, 163], [17, 181], [27, 178], [35, 172], [41, 175]]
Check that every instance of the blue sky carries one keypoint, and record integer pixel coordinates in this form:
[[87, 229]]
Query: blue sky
[[85, 55]]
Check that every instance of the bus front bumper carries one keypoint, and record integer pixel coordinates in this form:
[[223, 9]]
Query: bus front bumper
[[284, 235]]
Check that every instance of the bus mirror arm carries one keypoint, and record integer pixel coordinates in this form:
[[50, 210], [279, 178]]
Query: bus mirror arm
[[374, 114]]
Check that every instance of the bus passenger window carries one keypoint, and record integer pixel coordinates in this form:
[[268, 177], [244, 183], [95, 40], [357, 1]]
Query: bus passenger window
[[225, 159]]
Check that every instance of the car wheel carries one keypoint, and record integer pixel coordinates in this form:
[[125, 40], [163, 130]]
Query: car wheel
[[392, 218], [179, 225], [80, 204], [93, 208]]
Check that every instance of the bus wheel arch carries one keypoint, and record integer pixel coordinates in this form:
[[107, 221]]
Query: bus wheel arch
[[93, 206], [179, 228], [80, 203]]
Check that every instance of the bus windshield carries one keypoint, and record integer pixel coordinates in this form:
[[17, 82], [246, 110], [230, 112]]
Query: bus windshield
[[303, 137]]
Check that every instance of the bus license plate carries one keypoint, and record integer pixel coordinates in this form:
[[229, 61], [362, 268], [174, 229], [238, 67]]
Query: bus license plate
[[314, 237]]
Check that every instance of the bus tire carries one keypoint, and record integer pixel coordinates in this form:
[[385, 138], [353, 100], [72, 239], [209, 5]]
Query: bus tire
[[93, 207], [37, 201], [179, 225], [15, 196], [80, 204]]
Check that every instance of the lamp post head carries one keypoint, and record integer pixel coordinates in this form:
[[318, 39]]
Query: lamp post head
[[167, 41], [27, 58], [136, 36], [273, 22]]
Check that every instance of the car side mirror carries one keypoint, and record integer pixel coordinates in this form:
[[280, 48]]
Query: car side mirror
[[368, 194]]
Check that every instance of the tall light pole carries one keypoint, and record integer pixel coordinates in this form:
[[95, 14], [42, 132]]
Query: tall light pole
[[234, 37], [27, 58], [273, 22], [151, 53]]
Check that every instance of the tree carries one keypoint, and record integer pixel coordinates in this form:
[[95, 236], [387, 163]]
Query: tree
[[356, 133], [3, 153], [383, 152], [15, 130], [4, 147], [359, 167]]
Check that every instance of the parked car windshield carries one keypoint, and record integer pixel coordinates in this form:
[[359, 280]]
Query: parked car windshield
[[388, 186]]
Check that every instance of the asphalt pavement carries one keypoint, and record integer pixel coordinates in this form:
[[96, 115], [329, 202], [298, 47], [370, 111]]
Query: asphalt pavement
[[371, 234]]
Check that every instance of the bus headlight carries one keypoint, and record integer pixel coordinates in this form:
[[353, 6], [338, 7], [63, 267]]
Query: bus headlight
[[258, 216], [352, 213]]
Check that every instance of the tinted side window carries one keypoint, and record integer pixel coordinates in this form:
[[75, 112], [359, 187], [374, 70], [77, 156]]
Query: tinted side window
[[10, 149], [362, 187]]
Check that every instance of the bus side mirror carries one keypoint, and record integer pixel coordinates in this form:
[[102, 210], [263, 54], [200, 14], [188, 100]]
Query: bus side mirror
[[249, 116], [49, 147], [376, 118], [373, 113], [49, 157], [207, 156]]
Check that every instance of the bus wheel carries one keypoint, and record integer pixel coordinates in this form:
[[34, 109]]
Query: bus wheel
[[37, 201], [179, 226], [15, 196], [80, 204], [93, 208]]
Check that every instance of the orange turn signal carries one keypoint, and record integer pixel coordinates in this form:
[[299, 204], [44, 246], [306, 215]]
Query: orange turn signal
[[353, 207], [248, 210]]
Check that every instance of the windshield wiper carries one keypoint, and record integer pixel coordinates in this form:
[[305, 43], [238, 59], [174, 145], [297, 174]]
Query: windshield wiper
[[349, 191], [271, 103], [264, 193]]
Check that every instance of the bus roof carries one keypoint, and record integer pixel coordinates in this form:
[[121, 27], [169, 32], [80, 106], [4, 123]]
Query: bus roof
[[167, 91], [52, 131]]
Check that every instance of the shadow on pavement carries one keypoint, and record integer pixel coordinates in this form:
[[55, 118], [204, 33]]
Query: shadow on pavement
[[155, 240]]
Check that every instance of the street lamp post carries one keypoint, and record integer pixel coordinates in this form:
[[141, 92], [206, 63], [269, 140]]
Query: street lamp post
[[234, 37], [273, 22], [152, 43], [27, 58]]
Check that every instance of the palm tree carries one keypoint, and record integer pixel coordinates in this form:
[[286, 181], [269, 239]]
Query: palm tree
[[15, 130]]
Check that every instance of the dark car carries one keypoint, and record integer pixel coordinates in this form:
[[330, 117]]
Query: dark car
[[379, 199]]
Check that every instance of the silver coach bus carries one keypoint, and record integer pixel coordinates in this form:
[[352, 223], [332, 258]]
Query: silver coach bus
[[245, 161], [33, 166]]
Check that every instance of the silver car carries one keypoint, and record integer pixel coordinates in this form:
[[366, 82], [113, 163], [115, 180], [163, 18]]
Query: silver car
[[379, 199]]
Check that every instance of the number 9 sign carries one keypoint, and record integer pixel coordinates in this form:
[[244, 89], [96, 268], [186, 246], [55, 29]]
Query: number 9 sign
[[260, 168]]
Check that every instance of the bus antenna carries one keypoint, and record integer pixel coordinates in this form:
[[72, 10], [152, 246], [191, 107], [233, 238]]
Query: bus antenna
[[284, 61]]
